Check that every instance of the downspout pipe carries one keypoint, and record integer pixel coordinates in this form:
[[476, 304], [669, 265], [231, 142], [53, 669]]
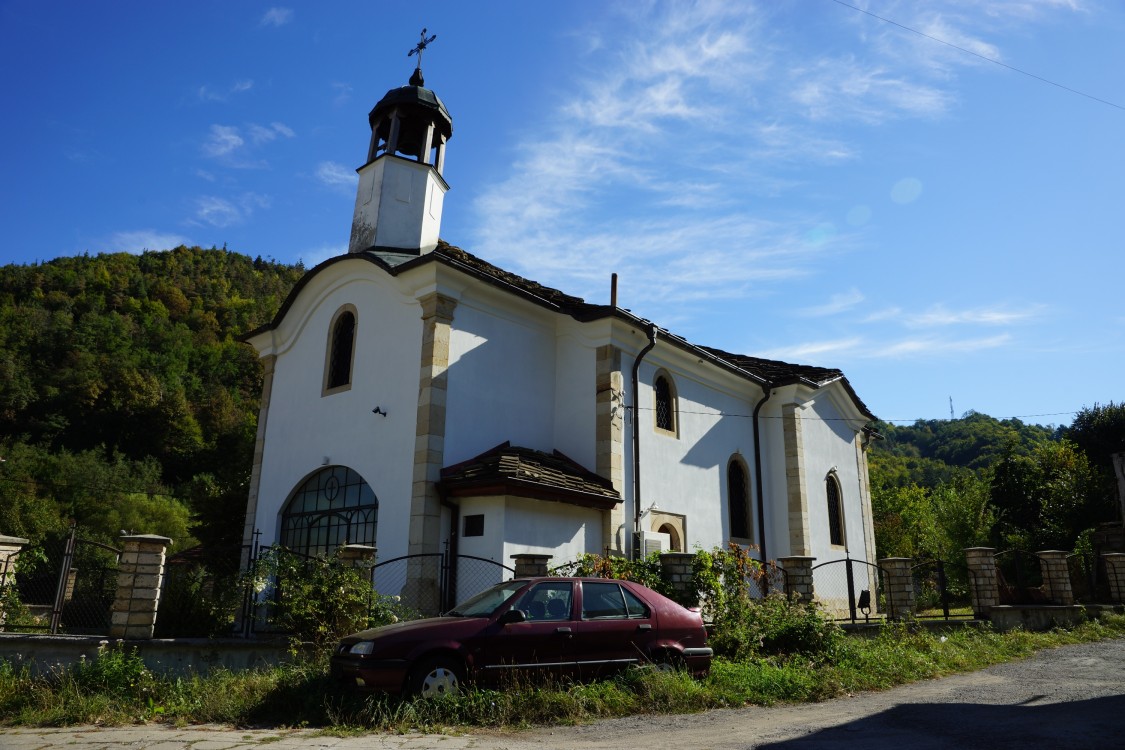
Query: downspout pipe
[[768, 390], [632, 542]]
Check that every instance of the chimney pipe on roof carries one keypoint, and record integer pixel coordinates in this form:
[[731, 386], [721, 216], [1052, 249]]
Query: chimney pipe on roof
[[613, 290]]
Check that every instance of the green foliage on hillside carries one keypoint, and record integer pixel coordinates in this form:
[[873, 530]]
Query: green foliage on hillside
[[939, 486], [126, 400]]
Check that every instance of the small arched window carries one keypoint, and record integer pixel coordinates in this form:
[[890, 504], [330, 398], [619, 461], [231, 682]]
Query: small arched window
[[341, 350], [835, 511], [738, 500], [664, 394]]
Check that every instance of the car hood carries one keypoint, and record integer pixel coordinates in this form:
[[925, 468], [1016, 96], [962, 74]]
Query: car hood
[[430, 627]]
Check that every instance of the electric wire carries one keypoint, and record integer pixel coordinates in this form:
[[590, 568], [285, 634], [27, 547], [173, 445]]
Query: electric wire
[[977, 54]]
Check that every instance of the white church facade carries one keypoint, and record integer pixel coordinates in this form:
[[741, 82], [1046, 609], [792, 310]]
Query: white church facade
[[418, 399]]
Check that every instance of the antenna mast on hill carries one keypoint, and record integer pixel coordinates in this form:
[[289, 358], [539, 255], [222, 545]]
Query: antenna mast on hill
[[951, 408]]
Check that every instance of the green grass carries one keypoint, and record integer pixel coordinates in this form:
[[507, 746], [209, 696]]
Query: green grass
[[115, 689]]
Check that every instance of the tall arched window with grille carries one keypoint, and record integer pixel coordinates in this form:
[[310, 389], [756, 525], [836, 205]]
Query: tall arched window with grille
[[835, 511], [738, 500], [341, 351], [664, 397], [333, 507]]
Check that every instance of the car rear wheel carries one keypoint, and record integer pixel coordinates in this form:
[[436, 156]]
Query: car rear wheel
[[435, 677], [667, 661]]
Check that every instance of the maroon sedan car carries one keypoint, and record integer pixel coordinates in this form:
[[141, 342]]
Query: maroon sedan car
[[570, 628]]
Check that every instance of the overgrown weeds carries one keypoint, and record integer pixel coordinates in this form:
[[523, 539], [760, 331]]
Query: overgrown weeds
[[116, 688]]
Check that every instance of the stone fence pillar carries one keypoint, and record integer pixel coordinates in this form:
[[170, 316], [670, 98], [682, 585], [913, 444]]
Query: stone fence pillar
[[678, 570], [1115, 573], [798, 577], [984, 586], [531, 566], [1056, 576], [900, 587], [140, 574], [10, 547]]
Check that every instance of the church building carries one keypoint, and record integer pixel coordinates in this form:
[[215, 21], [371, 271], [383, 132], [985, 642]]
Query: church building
[[421, 400]]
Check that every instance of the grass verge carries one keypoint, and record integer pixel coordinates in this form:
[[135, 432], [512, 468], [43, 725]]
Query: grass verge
[[116, 689]]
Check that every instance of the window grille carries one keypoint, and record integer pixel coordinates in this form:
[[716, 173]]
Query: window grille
[[332, 508], [665, 404]]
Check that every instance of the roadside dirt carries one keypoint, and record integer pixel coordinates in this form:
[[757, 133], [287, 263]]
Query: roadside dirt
[[1070, 697]]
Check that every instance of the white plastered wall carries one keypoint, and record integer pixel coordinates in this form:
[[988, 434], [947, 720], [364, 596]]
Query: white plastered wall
[[304, 428]]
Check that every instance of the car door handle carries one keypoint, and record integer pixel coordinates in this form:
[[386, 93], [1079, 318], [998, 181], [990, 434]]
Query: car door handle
[[563, 631], [644, 626]]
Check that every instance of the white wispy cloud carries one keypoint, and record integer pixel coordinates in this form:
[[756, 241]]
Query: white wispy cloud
[[853, 348], [222, 212], [342, 92], [264, 134], [230, 144], [139, 240], [989, 316], [836, 304], [209, 94], [335, 174], [936, 346], [846, 89], [276, 17], [224, 139], [689, 111]]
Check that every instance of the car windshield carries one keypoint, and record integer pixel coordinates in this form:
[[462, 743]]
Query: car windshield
[[487, 601]]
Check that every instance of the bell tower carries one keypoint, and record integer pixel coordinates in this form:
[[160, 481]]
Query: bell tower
[[401, 190]]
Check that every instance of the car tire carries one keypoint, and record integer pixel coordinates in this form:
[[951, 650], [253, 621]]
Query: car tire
[[668, 661], [436, 676]]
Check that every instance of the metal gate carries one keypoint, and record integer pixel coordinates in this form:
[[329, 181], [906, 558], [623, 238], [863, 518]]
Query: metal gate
[[851, 589], [68, 586], [435, 581], [941, 590], [1020, 577]]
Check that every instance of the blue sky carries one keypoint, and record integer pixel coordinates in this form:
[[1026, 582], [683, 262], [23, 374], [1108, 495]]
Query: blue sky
[[794, 179]]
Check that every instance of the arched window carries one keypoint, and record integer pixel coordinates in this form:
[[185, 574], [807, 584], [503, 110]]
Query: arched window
[[835, 511], [333, 507], [738, 499], [664, 394], [341, 347], [673, 537]]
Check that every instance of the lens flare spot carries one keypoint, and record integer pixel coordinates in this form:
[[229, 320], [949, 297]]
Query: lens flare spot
[[906, 190], [859, 215]]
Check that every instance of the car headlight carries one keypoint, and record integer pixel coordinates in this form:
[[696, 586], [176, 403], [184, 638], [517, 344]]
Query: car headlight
[[361, 648]]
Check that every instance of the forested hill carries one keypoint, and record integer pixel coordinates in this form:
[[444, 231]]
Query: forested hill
[[939, 486], [127, 402], [125, 399]]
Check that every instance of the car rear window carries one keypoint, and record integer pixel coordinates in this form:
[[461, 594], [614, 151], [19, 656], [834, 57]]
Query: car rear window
[[602, 601]]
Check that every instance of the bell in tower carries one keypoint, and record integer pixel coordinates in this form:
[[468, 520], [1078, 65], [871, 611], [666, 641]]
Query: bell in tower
[[401, 190]]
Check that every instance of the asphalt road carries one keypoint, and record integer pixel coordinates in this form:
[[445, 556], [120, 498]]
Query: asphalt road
[[1070, 697]]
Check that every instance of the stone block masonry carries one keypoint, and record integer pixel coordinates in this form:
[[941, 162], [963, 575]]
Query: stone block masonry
[[984, 586], [140, 573]]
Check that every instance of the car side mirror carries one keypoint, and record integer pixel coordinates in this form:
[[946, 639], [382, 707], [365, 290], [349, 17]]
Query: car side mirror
[[513, 615]]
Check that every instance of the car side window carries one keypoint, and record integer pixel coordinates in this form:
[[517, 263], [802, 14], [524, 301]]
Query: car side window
[[602, 601], [634, 605], [547, 602]]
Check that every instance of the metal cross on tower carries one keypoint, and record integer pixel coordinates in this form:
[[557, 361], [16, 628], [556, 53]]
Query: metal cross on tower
[[421, 46]]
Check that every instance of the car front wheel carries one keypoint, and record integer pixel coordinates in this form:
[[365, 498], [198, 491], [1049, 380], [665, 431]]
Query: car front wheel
[[436, 676]]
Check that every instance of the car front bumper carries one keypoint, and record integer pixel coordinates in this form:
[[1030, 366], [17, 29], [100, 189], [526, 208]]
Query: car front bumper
[[385, 675]]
